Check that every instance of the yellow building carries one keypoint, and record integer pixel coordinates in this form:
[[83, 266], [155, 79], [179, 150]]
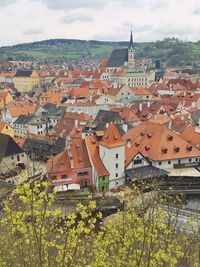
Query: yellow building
[[24, 80], [6, 129], [5, 98]]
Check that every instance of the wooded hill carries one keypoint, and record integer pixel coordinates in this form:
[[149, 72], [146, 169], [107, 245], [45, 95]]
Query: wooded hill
[[170, 51]]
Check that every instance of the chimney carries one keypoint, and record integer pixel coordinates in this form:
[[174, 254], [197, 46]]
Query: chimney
[[76, 122], [125, 127], [170, 124], [140, 107]]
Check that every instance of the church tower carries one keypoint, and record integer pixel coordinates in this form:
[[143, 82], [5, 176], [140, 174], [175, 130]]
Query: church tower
[[131, 61]]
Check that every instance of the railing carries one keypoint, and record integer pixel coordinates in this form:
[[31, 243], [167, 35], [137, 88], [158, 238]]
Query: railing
[[189, 164]]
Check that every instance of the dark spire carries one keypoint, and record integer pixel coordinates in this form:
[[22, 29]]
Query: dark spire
[[131, 41]]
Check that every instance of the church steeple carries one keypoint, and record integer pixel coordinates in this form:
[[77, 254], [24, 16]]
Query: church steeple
[[131, 61], [131, 41]]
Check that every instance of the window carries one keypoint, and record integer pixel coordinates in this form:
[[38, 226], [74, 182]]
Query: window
[[116, 175], [159, 163], [179, 161], [18, 158], [169, 162], [196, 159], [117, 156], [116, 165], [12, 157], [63, 176], [138, 161], [190, 160], [103, 178], [82, 173]]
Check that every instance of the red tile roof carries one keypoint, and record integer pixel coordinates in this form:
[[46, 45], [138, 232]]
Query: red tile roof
[[157, 142], [112, 137], [93, 150]]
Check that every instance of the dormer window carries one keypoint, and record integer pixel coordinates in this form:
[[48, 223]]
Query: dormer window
[[149, 135], [164, 149], [170, 137], [147, 148], [116, 137], [129, 143], [189, 147], [142, 133], [137, 144], [176, 148]]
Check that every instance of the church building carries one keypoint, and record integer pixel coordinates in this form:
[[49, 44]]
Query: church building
[[123, 69]]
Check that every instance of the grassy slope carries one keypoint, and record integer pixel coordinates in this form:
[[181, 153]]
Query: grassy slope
[[171, 52]]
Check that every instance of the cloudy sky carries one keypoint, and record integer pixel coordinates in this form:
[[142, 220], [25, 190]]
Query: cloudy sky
[[33, 20]]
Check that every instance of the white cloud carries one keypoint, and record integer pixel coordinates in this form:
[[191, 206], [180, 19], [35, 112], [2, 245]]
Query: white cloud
[[7, 2], [76, 17], [73, 4], [33, 31], [32, 20]]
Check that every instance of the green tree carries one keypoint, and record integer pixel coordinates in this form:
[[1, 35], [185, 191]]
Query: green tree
[[35, 232]]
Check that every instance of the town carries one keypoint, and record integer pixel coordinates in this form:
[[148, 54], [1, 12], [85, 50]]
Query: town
[[97, 128]]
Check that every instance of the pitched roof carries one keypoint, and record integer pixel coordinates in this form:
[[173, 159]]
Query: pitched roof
[[59, 163], [196, 116], [8, 147], [93, 150], [2, 125], [79, 154], [191, 136], [23, 73], [141, 91], [157, 142], [22, 119], [128, 115], [112, 137], [105, 116], [160, 119], [118, 57]]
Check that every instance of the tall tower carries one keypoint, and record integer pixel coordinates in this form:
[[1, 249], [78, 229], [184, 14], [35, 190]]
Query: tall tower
[[131, 61]]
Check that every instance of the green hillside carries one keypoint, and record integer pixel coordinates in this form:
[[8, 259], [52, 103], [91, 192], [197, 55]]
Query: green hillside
[[170, 51]]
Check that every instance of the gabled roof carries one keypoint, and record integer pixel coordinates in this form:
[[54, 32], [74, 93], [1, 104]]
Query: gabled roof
[[157, 142], [93, 150], [118, 58], [22, 119], [2, 125], [53, 109], [141, 91], [190, 135], [8, 147], [23, 73], [196, 116], [105, 116], [112, 137], [128, 115], [79, 157], [59, 163]]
